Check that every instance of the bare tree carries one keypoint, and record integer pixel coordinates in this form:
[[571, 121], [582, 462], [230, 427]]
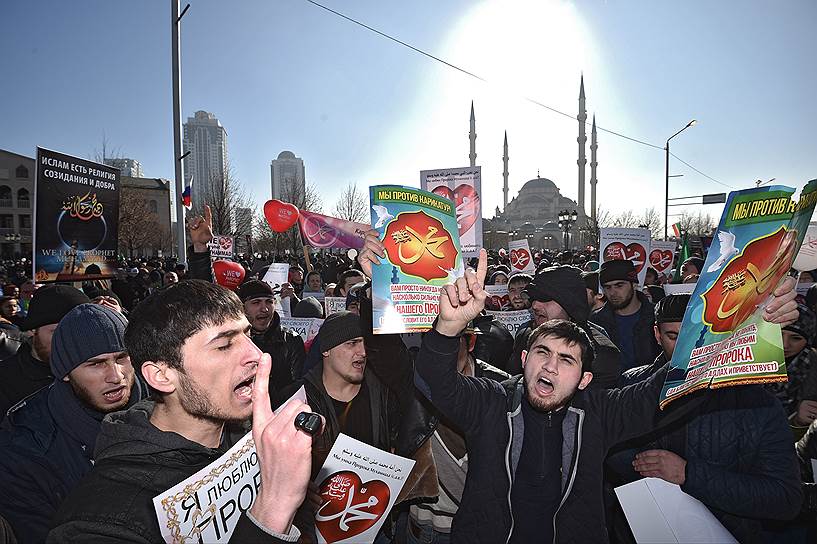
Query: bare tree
[[697, 223], [304, 198], [233, 211], [139, 228], [626, 219], [651, 219], [107, 151], [353, 204]]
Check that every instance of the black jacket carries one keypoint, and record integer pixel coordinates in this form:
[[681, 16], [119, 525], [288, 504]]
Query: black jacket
[[21, 374], [645, 347], [806, 451], [606, 365], [135, 461], [740, 462], [489, 415]]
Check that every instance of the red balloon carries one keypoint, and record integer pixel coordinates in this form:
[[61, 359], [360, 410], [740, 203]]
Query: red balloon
[[228, 274], [280, 215]]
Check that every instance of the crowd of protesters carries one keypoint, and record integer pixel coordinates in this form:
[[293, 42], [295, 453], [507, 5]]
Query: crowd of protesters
[[113, 391]]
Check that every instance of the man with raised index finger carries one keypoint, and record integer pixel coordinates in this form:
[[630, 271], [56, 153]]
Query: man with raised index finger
[[537, 442], [191, 344]]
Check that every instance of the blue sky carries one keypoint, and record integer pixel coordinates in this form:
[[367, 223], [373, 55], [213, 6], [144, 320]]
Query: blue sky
[[284, 74]]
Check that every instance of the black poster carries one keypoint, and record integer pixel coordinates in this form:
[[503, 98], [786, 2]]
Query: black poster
[[76, 218]]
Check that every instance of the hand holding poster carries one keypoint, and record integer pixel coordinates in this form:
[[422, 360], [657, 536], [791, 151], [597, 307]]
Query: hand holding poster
[[221, 247], [662, 253], [358, 485], [724, 339], [76, 218], [627, 244], [462, 186], [520, 256], [419, 232]]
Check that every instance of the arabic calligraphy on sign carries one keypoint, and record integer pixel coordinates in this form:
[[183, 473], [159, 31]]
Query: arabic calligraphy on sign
[[84, 208], [420, 246]]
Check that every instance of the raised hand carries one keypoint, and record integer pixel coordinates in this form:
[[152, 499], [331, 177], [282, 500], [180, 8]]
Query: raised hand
[[373, 250], [284, 455], [783, 307], [463, 300], [201, 230]]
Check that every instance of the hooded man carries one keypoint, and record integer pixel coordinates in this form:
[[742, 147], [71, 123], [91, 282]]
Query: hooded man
[[27, 370], [627, 317], [559, 293], [47, 441]]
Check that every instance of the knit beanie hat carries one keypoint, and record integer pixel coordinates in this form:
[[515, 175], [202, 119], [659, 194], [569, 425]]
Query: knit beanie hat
[[617, 270], [254, 289], [85, 332], [806, 324], [338, 328], [308, 307], [697, 262], [563, 284], [591, 281], [50, 303]]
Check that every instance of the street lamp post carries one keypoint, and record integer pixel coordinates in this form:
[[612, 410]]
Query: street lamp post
[[566, 220], [666, 177]]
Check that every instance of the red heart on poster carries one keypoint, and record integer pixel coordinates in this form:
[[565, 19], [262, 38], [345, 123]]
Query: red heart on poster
[[466, 201], [496, 302], [633, 252], [280, 215], [661, 259], [520, 258], [228, 274], [349, 507]]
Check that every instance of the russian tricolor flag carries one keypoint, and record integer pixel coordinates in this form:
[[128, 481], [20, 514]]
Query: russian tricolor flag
[[187, 201]]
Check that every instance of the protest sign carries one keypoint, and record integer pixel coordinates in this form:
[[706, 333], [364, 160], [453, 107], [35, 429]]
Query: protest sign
[[206, 506], [463, 187], [76, 218], [318, 295], [221, 247], [323, 231], [358, 485], [520, 256], [662, 253], [626, 244], [660, 513], [420, 235], [807, 256], [305, 327], [498, 297], [679, 288], [277, 275], [513, 320], [333, 305], [724, 339]]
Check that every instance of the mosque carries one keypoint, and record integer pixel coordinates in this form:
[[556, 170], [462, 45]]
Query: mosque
[[534, 212]]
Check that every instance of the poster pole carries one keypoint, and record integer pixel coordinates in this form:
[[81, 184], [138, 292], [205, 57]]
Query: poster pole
[[175, 23]]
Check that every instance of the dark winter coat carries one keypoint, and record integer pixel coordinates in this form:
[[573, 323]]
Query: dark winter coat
[[738, 449], [21, 375], [135, 461], [645, 347], [489, 414], [806, 451]]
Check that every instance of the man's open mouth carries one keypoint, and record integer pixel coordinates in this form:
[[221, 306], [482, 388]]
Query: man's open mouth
[[359, 365], [544, 386], [115, 395], [244, 389]]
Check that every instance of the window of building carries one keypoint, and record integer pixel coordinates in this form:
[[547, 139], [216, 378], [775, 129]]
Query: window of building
[[25, 221], [23, 200], [5, 196], [154, 208], [21, 172], [6, 221]]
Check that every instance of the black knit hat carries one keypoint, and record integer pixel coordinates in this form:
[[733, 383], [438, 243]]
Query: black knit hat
[[617, 270], [254, 289], [338, 328], [697, 262], [50, 303], [85, 332], [591, 281], [671, 308], [308, 307], [563, 284]]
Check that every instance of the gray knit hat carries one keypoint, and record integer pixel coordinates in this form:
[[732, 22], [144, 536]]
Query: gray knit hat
[[338, 328], [85, 332]]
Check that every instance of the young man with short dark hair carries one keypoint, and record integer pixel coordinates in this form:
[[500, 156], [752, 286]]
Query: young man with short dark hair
[[190, 341]]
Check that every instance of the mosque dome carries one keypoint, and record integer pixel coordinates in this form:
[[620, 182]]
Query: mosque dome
[[286, 155]]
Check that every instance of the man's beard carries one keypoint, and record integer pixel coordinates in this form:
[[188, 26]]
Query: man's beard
[[86, 398], [546, 405], [194, 401], [41, 348], [621, 304]]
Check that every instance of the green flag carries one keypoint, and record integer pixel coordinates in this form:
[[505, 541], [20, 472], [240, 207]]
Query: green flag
[[682, 256]]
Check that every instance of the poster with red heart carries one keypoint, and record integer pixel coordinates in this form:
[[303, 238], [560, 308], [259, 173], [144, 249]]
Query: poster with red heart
[[358, 485], [521, 256], [221, 247], [463, 186], [498, 297], [631, 244], [662, 252]]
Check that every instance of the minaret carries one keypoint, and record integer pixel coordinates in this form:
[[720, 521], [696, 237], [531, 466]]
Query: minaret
[[582, 139], [505, 172], [473, 137], [593, 164]]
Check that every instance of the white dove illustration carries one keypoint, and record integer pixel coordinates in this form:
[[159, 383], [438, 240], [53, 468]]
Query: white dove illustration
[[383, 215], [727, 248]]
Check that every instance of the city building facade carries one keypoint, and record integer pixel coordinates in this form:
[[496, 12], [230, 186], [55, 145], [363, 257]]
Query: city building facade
[[16, 204], [207, 163], [287, 177]]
